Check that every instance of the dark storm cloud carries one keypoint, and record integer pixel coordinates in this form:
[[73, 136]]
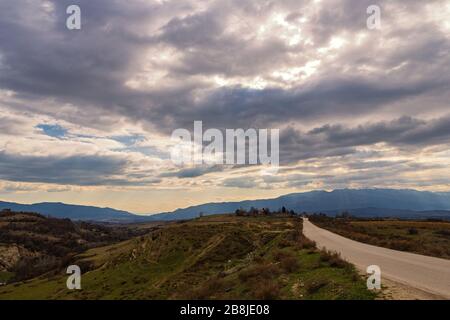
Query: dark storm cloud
[[338, 140], [73, 170], [239, 107], [89, 68], [366, 174], [208, 50], [402, 70], [192, 172], [405, 131], [386, 175]]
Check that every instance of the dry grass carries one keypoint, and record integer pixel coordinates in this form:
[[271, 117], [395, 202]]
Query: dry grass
[[430, 238], [334, 259]]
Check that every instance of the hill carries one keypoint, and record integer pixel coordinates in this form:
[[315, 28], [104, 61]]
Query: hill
[[75, 212], [220, 257], [32, 244]]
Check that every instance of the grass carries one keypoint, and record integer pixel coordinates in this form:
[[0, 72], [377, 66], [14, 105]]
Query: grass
[[5, 276], [218, 257], [431, 238]]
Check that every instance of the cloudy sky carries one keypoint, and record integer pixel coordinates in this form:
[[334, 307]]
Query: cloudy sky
[[86, 115]]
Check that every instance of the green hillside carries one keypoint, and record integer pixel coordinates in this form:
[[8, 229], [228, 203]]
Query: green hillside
[[219, 257]]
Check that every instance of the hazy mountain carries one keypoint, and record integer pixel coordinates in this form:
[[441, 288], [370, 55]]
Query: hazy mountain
[[363, 202], [74, 212]]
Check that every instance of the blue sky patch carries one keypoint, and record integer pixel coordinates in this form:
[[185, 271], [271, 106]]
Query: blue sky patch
[[52, 130], [128, 141]]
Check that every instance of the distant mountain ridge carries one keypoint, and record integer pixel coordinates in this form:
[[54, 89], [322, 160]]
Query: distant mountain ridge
[[73, 212], [363, 202], [360, 202]]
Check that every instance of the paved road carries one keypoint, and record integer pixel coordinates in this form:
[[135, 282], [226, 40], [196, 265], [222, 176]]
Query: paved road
[[425, 273]]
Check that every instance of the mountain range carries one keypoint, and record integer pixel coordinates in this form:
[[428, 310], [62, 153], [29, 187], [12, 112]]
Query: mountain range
[[73, 212], [359, 202]]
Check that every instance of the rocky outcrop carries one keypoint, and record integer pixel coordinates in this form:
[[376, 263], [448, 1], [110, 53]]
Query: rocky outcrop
[[11, 254]]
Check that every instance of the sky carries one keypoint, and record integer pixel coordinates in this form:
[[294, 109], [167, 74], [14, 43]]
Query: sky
[[86, 116]]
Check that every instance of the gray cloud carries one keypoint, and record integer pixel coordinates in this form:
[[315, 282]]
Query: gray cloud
[[400, 78], [244, 183], [336, 140], [240, 107], [73, 170], [11, 126], [192, 172], [89, 68]]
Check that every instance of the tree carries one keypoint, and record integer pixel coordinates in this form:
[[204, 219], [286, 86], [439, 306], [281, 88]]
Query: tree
[[253, 211], [345, 215]]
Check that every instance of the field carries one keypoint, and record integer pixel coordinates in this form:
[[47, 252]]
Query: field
[[219, 257], [431, 238]]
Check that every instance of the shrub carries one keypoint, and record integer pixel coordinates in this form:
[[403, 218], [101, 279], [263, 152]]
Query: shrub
[[264, 271], [280, 255], [284, 243], [267, 291], [402, 245], [443, 232], [290, 264], [333, 259], [315, 285], [305, 243], [211, 288], [413, 231]]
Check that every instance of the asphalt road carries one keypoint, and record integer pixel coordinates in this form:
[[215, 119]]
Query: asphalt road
[[421, 272]]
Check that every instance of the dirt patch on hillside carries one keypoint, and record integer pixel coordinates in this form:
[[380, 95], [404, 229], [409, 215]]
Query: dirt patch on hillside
[[393, 290]]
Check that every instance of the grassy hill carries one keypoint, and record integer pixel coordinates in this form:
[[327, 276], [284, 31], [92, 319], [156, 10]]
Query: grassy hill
[[218, 257], [32, 244]]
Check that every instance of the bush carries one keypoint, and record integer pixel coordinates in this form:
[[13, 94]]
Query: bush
[[211, 288], [290, 264], [402, 245], [279, 255], [413, 231], [305, 243], [315, 285], [443, 232], [285, 243], [264, 271], [267, 291], [333, 259]]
